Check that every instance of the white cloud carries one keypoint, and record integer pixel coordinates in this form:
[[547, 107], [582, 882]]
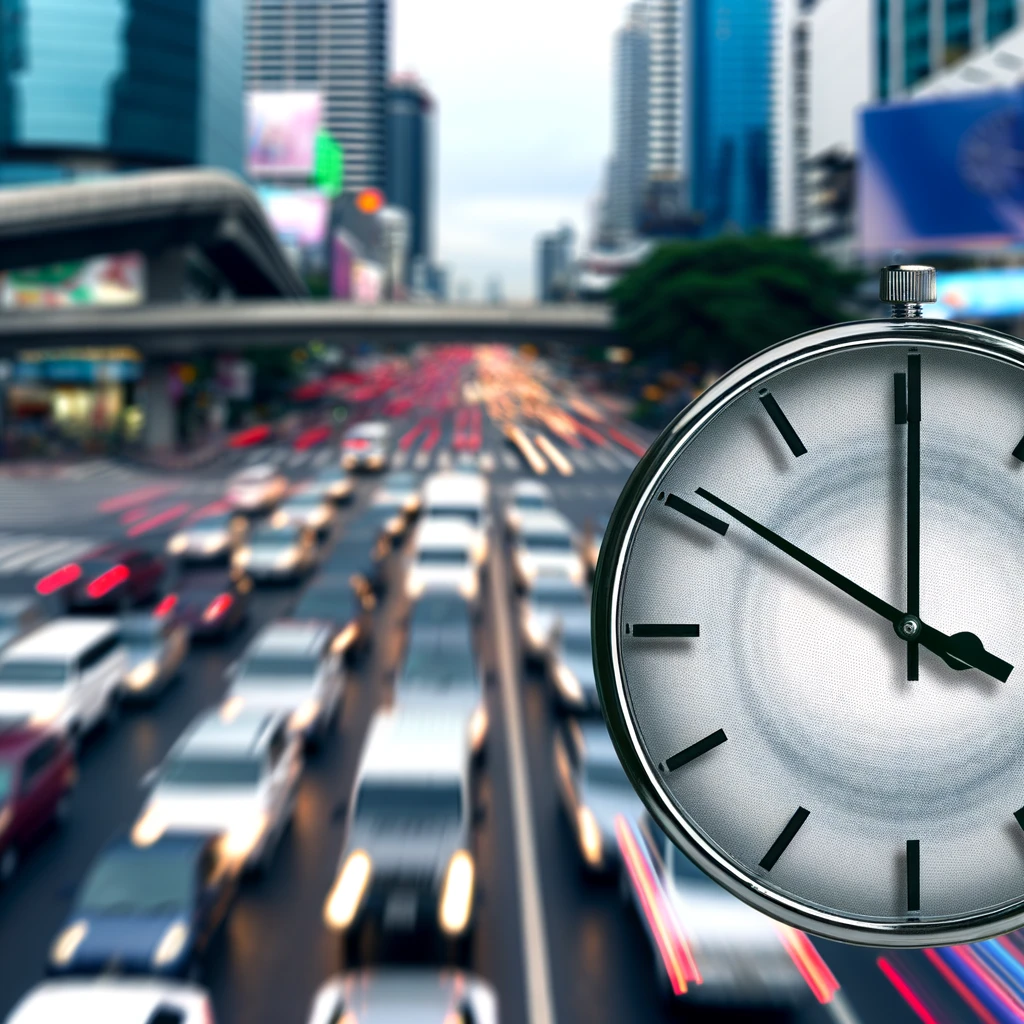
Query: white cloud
[[523, 96]]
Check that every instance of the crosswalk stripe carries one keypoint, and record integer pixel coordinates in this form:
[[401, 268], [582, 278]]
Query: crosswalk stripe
[[468, 460], [511, 462], [444, 459], [399, 459], [605, 460], [628, 459], [580, 461], [58, 554], [422, 460], [487, 463]]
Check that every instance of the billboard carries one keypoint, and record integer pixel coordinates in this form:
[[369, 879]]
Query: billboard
[[943, 174], [299, 215], [98, 281], [281, 130], [979, 294]]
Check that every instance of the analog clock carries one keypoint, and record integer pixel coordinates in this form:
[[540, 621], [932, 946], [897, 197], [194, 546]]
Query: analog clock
[[807, 617]]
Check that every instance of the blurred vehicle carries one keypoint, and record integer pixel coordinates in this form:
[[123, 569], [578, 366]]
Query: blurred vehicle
[[345, 603], [306, 506], [593, 790], [147, 909], [526, 496], [544, 545], [708, 947], [409, 996], [445, 556], [290, 668], [209, 539], [113, 1001], [542, 608], [256, 488], [157, 646], [400, 496], [67, 673], [406, 869], [37, 776], [367, 447], [361, 552], [19, 615], [212, 603], [440, 668], [461, 496], [592, 540], [233, 772], [277, 553], [115, 577], [334, 483], [570, 664], [389, 508]]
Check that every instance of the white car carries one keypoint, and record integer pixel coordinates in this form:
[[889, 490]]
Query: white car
[[462, 496], [306, 506], [526, 496], [113, 1001], [256, 488], [367, 447], [234, 772], [209, 539], [277, 553], [291, 668], [67, 673], [545, 545], [542, 609], [445, 556], [571, 664]]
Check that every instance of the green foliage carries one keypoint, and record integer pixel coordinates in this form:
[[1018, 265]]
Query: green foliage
[[717, 302]]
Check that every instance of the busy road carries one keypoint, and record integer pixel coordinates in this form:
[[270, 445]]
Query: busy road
[[566, 916]]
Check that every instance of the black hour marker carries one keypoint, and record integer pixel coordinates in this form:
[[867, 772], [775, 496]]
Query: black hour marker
[[778, 417], [664, 629], [899, 387], [1019, 815], [1018, 452], [693, 751], [913, 875], [777, 848], [698, 515]]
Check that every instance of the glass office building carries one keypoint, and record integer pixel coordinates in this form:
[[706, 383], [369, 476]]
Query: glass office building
[[408, 182], [90, 86], [730, 109]]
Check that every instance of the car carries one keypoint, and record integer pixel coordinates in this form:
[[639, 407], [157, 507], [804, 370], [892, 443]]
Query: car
[[445, 556], [157, 646], [406, 869], [334, 483], [400, 492], [37, 778], [593, 790], [233, 772], [344, 602], [367, 447], [19, 615], [362, 552], [277, 553], [256, 488], [541, 611], [405, 996], [592, 541], [147, 909], [115, 577], [440, 668], [570, 665], [210, 538], [545, 545], [67, 674], [292, 668], [708, 948], [389, 508], [306, 506], [526, 496], [113, 1001], [212, 603], [463, 496]]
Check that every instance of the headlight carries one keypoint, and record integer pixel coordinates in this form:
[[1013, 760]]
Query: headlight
[[143, 674], [150, 827], [319, 516], [527, 567], [46, 713], [414, 585], [533, 631], [171, 944], [216, 543], [348, 461], [457, 894], [240, 841], [568, 685], [344, 899], [589, 836], [341, 488], [395, 525], [280, 518], [286, 559], [304, 715], [177, 544], [242, 557], [514, 520], [478, 728], [576, 571], [480, 551], [345, 639], [66, 944], [468, 587], [411, 504]]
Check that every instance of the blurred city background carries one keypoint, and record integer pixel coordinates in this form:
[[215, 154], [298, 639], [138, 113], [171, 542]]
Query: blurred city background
[[330, 331]]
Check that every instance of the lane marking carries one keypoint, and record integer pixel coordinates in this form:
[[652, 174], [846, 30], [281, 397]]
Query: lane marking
[[511, 462], [421, 460], [539, 1002], [487, 462], [399, 459], [444, 459], [582, 461]]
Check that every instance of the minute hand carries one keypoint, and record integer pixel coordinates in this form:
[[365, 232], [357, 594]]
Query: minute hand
[[962, 648]]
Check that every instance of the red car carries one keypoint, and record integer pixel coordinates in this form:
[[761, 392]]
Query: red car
[[115, 577], [37, 775]]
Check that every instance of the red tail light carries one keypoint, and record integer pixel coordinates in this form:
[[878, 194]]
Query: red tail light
[[217, 607], [166, 606], [58, 578], [106, 581], [357, 444]]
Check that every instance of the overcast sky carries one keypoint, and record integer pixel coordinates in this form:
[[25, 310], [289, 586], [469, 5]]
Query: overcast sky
[[523, 90]]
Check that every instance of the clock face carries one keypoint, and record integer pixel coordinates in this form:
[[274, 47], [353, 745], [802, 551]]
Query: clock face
[[807, 620]]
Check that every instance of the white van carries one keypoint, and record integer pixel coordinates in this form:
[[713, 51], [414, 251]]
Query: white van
[[462, 496], [67, 673]]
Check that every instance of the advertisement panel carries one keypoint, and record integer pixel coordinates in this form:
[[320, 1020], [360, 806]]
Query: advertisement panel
[[943, 174], [281, 130], [99, 281], [979, 294], [298, 215]]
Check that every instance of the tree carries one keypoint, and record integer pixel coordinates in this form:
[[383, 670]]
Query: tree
[[717, 302]]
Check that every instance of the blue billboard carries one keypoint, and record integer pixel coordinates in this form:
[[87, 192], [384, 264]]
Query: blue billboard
[[979, 294], [943, 175]]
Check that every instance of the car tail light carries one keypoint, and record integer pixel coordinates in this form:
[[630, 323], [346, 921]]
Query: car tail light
[[357, 444], [217, 607], [106, 581], [58, 578], [166, 606]]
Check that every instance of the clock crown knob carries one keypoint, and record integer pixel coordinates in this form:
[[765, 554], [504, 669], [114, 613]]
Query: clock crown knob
[[906, 286]]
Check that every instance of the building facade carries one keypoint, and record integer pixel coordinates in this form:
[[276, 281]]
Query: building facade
[[119, 84], [667, 113], [556, 255], [409, 180], [340, 49]]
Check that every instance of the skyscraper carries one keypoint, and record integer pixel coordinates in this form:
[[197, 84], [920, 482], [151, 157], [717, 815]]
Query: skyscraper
[[556, 254], [339, 48], [627, 171], [666, 148]]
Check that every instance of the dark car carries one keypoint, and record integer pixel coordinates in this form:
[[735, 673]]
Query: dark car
[[157, 644], [345, 603], [361, 551], [211, 603], [147, 909], [115, 577], [37, 775]]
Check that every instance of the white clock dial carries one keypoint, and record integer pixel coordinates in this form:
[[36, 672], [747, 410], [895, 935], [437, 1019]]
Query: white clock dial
[[827, 721]]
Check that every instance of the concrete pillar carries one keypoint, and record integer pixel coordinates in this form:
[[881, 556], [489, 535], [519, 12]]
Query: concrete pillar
[[156, 393]]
